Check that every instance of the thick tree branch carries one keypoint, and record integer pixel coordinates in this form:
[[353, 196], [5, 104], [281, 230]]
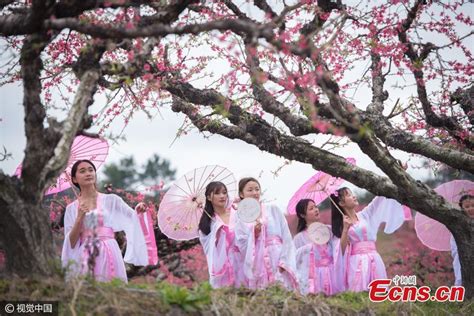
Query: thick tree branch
[[83, 99], [29, 23], [416, 195], [412, 143], [106, 31], [389, 135], [378, 79], [32, 20], [31, 66], [267, 138]]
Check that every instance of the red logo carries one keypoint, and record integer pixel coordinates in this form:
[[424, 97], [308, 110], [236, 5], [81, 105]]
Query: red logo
[[380, 290]]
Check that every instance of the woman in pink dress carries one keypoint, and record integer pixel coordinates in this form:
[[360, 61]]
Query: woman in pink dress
[[320, 267], [89, 225], [217, 238], [358, 233], [266, 245]]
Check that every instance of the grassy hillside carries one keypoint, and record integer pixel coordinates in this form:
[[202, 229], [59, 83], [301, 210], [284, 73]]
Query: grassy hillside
[[84, 297]]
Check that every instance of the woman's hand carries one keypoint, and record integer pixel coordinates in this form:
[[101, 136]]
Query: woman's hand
[[258, 229], [347, 223], [140, 208], [83, 210], [75, 233]]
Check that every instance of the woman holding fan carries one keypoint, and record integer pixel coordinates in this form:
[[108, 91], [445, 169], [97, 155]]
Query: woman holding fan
[[319, 262], [266, 245], [218, 239]]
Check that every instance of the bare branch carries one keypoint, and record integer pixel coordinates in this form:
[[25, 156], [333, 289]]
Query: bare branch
[[315, 25], [235, 9], [433, 119], [298, 126], [263, 5], [465, 98], [5, 155]]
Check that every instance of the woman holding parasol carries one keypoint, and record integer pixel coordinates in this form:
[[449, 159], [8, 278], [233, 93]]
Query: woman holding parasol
[[217, 238], [358, 233]]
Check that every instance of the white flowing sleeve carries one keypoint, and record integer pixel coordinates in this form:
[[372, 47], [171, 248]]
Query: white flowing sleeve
[[338, 263], [288, 252], [206, 242], [456, 263], [299, 240], [384, 210], [214, 246], [303, 252], [126, 219], [70, 256], [245, 241]]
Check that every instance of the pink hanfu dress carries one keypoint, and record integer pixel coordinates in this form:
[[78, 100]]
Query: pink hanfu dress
[[111, 215], [363, 262]]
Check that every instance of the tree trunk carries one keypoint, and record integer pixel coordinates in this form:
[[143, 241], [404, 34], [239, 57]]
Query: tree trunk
[[27, 238]]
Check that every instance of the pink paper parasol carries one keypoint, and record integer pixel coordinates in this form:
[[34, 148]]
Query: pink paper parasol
[[182, 206], [93, 149], [317, 188], [432, 233]]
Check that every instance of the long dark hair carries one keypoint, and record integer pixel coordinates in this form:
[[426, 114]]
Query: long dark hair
[[74, 170], [336, 216], [301, 209], [208, 213], [243, 182]]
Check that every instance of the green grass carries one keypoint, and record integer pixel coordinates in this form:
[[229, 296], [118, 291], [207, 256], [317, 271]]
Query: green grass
[[84, 296]]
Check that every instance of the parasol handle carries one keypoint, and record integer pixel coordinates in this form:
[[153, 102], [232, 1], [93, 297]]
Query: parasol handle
[[340, 211], [204, 210], [73, 187]]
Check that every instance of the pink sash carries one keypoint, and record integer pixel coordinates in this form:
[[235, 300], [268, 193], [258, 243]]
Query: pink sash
[[363, 247], [149, 234], [269, 241], [325, 261], [101, 233], [368, 248]]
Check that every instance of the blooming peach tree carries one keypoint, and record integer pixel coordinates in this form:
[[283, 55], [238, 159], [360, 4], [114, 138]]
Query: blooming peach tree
[[294, 78]]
